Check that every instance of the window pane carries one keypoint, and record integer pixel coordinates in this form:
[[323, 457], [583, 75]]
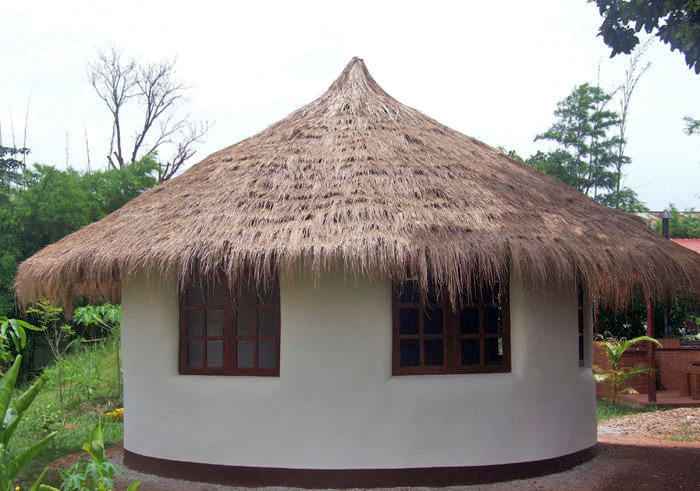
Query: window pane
[[266, 353], [408, 321], [266, 295], [469, 321], [494, 351], [245, 322], [494, 320], [266, 322], [194, 353], [194, 322], [194, 295], [433, 351], [215, 353], [470, 352], [215, 293], [432, 296], [246, 293], [432, 321], [492, 294], [215, 322], [409, 292], [246, 353], [409, 353]]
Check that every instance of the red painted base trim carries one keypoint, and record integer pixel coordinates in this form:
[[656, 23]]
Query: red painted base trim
[[352, 478]]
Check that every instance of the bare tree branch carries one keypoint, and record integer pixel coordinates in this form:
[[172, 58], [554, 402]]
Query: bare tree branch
[[188, 139], [159, 95], [115, 82]]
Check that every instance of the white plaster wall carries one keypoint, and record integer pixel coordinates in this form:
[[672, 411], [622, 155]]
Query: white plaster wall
[[336, 404]]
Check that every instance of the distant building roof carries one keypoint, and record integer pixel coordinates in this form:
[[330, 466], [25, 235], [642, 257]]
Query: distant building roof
[[655, 215], [692, 244]]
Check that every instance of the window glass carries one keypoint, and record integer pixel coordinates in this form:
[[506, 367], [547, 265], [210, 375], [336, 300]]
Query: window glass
[[246, 293], [494, 320], [409, 352], [470, 352], [195, 319], [432, 321], [194, 353], [215, 323], [266, 322], [246, 353], [266, 352], [408, 321], [433, 349], [194, 294], [245, 322], [494, 351], [215, 353], [469, 321]]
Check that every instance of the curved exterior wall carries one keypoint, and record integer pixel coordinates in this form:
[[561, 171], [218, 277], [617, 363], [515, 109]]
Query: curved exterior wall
[[336, 405]]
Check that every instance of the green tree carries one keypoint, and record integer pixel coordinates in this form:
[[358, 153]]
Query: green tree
[[587, 151], [10, 169], [675, 22], [52, 203]]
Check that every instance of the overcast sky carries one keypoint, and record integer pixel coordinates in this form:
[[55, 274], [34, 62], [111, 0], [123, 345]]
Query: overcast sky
[[492, 70]]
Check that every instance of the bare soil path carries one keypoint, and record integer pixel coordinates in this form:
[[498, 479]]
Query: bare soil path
[[649, 451]]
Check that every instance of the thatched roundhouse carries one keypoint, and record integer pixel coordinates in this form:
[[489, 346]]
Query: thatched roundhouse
[[418, 302]]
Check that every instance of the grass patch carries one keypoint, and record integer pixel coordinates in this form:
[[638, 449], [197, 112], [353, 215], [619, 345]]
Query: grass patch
[[606, 409], [686, 433], [89, 382]]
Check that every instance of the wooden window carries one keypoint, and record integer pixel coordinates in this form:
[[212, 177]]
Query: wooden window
[[580, 328], [229, 331], [431, 338]]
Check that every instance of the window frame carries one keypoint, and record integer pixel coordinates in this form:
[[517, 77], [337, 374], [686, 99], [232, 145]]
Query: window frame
[[452, 336], [229, 335]]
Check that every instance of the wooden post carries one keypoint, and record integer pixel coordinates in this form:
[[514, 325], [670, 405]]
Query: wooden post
[[651, 351]]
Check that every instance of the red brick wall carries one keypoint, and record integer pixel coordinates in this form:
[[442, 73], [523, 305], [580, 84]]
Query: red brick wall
[[671, 364]]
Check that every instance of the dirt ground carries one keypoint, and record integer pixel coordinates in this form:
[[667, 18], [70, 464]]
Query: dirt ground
[[644, 451]]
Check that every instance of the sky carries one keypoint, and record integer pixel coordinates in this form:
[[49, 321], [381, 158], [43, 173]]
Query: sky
[[492, 70]]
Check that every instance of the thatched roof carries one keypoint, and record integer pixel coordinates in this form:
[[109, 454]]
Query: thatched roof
[[355, 176]]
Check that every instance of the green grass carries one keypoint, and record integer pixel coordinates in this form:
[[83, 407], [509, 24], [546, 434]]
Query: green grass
[[89, 381], [686, 433], [607, 410]]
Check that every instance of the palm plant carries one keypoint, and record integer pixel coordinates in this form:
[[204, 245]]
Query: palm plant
[[619, 376]]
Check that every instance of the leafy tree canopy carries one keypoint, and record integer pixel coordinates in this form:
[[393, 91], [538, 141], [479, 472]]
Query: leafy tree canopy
[[675, 22], [51, 203], [10, 168], [588, 154]]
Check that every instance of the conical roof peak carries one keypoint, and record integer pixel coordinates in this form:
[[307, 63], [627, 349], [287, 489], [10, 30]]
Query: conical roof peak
[[355, 79]]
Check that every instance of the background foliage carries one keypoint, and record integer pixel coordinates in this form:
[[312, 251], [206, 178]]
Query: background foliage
[[41, 205]]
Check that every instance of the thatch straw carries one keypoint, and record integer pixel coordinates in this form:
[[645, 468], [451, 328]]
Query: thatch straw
[[357, 177]]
